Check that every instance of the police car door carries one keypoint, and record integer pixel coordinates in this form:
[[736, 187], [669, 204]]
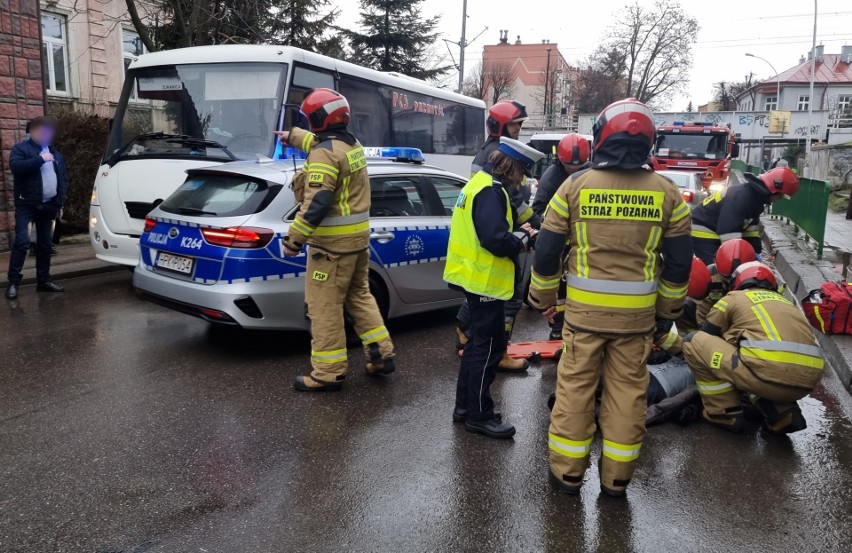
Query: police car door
[[408, 237]]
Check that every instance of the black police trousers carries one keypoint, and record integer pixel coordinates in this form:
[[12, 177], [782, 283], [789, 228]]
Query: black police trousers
[[481, 356]]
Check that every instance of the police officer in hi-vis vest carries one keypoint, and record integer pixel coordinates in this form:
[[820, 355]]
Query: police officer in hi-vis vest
[[628, 267], [334, 221], [479, 262]]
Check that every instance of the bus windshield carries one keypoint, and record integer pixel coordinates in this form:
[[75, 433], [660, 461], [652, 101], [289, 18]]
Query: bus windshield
[[692, 146], [214, 111]]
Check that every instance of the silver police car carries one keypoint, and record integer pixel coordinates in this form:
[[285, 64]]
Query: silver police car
[[213, 248]]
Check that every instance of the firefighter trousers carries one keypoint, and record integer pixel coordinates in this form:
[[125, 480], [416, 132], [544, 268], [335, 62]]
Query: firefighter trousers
[[335, 281], [721, 378], [620, 361], [482, 355]]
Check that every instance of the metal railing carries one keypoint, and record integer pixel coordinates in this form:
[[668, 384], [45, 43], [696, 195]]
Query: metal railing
[[807, 210]]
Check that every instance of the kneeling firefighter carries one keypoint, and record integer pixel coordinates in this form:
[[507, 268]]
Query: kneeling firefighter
[[754, 342], [628, 269], [480, 257], [333, 221]]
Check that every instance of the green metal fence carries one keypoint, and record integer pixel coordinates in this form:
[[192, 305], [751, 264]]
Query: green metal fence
[[807, 210]]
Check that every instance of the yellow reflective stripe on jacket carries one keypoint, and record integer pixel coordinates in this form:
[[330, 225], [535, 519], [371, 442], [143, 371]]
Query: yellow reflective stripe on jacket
[[699, 231], [345, 220], [730, 236], [339, 230], [670, 340], [544, 284], [766, 322], [672, 292], [680, 212], [611, 300], [374, 335], [525, 213], [623, 453], [308, 142], [303, 228], [784, 352], [651, 252], [582, 249], [721, 305], [713, 387], [752, 231], [345, 209], [559, 206], [576, 449], [325, 168], [329, 356]]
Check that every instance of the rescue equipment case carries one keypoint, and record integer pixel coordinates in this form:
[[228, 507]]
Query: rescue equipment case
[[829, 309]]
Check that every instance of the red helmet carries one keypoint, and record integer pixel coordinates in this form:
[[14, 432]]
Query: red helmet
[[781, 180], [573, 149], [325, 108], [501, 114], [754, 275], [732, 254], [628, 121], [699, 280]]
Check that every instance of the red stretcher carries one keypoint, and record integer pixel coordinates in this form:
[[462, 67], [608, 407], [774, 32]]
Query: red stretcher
[[535, 351]]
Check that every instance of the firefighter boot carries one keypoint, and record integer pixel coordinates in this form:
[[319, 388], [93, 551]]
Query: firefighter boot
[[377, 365], [732, 421], [509, 365], [310, 384], [780, 423]]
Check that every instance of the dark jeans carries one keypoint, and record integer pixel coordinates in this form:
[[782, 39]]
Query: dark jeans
[[481, 357], [42, 217]]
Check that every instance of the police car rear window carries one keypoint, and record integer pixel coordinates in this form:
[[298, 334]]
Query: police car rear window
[[220, 196]]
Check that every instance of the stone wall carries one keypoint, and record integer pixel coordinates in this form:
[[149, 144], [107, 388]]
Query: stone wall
[[21, 92], [832, 163]]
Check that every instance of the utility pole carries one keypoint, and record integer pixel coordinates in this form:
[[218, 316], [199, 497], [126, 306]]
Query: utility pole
[[546, 81], [462, 44], [811, 97]]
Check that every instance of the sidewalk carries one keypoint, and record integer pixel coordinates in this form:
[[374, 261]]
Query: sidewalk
[[76, 258], [798, 265]]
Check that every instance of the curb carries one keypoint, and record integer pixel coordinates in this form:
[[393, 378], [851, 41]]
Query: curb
[[803, 275], [75, 273]]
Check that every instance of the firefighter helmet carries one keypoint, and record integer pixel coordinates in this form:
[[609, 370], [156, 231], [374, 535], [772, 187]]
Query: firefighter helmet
[[754, 275], [501, 114], [324, 109], [781, 180], [732, 254], [573, 149], [699, 280], [623, 135]]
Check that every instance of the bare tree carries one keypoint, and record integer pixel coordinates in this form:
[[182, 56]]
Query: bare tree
[[600, 80], [499, 81], [657, 42], [549, 95], [726, 93], [474, 83]]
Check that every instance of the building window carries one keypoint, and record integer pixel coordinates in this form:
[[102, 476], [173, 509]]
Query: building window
[[844, 103], [771, 103], [131, 48], [804, 102], [54, 53]]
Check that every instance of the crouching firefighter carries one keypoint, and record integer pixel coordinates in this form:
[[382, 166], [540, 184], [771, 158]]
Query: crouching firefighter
[[333, 221], [479, 262], [755, 342], [627, 272]]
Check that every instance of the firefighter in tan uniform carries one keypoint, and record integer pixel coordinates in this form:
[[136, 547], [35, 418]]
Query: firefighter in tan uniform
[[333, 221], [754, 342], [627, 272]]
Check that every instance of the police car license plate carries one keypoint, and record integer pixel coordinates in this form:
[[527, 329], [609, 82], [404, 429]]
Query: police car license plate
[[175, 263]]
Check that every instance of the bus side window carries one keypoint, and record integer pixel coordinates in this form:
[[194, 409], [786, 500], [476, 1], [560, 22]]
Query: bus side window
[[306, 79], [370, 103]]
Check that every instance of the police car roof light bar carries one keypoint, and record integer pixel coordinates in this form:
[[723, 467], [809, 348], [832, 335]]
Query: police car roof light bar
[[401, 154]]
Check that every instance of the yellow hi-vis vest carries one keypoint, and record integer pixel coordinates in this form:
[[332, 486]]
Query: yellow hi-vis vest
[[469, 265]]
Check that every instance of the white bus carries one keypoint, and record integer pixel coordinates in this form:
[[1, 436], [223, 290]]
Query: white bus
[[186, 108]]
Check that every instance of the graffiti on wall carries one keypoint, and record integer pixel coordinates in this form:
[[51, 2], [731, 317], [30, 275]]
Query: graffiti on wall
[[803, 130], [758, 119]]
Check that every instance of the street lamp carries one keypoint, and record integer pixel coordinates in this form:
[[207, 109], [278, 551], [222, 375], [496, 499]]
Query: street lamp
[[777, 79]]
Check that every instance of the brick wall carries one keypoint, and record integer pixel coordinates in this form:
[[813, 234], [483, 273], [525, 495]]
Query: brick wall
[[21, 92]]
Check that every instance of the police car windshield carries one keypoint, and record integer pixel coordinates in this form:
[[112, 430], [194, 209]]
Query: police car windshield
[[232, 105], [220, 195], [691, 146]]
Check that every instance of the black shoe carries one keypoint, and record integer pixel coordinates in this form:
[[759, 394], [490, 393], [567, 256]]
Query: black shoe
[[563, 487], [12, 291], [493, 428], [308, 384], [555, 334], [609, 492], [49, 286], [460, 415]]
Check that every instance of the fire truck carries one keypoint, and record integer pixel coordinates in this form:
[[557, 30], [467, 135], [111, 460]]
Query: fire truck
[[697, 148]]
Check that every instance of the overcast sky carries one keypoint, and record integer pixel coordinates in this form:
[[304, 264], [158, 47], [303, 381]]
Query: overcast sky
[[779, 31]]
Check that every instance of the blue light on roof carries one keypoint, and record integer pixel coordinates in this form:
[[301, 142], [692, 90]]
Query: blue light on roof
[[288, 153], [678, 123], [410, 155]]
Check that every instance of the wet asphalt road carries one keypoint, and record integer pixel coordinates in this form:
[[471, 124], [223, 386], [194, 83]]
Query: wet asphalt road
[[125, 427]]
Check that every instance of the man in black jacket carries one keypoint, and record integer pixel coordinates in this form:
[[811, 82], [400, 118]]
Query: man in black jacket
[[41, 185], [735, 212]]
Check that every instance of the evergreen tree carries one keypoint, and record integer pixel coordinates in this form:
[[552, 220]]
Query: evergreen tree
[[689, 108], [395, 37], [302, 24]]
